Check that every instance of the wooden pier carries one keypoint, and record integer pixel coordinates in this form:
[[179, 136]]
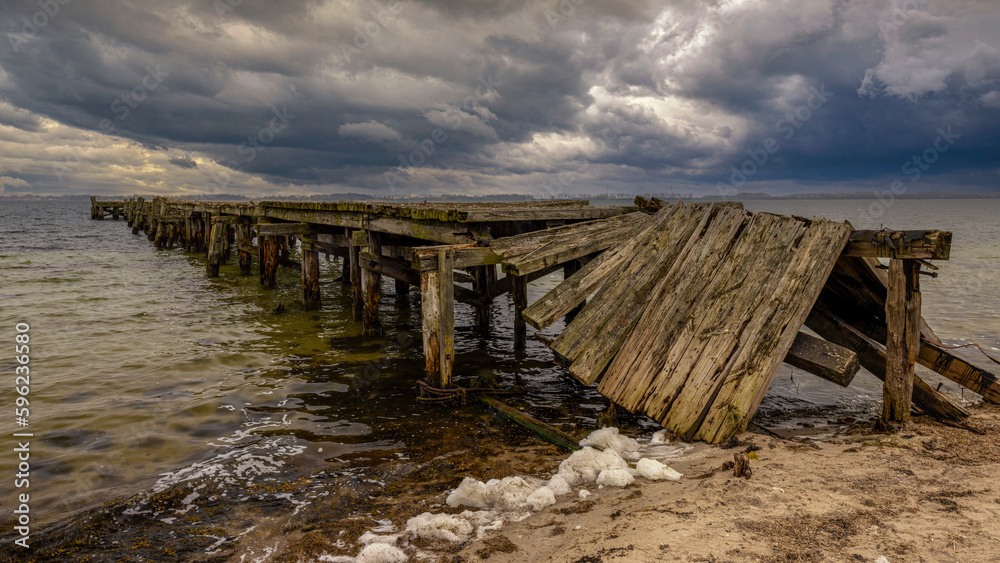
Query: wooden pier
[[683, 312]]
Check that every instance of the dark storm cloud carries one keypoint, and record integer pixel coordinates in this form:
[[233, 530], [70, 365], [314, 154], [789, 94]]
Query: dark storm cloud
[[338, 93], [183, 162]]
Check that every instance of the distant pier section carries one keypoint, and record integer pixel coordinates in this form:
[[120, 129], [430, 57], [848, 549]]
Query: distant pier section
[[683, 312]]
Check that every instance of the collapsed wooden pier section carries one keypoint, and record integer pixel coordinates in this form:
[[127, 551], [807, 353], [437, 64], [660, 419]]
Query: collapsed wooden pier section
[[683, 312]]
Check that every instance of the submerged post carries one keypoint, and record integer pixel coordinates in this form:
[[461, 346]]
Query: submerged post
[[902, 312], [481, 285], [354, 258], [402, 292], [310, 276], [519, 293], [372, 290], [437, 292]]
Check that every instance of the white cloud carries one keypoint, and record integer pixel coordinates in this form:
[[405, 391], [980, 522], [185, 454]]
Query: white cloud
[[370, 131]]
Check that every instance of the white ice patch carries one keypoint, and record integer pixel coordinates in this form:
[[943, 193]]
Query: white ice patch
[[542, 497], [509, 493], [381, 553], [558, 485], [659, 437], [584, 493], [370, 538], [609, 438], [439, 527], [614, 477], [586, 464], [654, 470]]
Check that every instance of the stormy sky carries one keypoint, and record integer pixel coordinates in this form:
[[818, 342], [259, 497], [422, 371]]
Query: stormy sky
[[516, 96]]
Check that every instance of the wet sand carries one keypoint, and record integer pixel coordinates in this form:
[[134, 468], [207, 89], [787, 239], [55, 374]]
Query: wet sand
[[926, 493]]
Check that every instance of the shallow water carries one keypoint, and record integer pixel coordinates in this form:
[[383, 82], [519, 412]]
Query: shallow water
[[206, 416]]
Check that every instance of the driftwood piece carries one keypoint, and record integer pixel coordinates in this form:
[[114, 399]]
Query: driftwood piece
[[545, 431]]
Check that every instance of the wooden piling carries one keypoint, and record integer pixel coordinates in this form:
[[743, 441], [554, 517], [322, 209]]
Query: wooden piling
[[402, 292], [902, 312], [481, 285], [371, 283], [243, 244], [354, 257], [310, 277], [269, 249], [93, 208], [437, 289], [215, 249], [345, 270], [519, 294]]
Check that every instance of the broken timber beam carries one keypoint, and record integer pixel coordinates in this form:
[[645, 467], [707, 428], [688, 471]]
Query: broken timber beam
[[924, 245], [823, 359], [872, 357]]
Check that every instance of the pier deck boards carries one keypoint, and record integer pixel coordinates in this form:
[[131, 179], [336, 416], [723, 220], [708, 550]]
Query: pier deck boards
[[683, 312]]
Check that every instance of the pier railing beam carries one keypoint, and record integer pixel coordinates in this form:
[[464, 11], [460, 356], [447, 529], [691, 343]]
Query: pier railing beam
[[519, 293], [902, 312], [310, 277], [372, 291], [269, 249], [437, 309]]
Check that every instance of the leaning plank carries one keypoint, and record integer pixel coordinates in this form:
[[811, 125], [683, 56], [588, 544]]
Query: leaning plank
[[823, 359], [872, 357], [771, 331], [926, 245], [574, 244], [590, 278], [545, 431], [594, 337]]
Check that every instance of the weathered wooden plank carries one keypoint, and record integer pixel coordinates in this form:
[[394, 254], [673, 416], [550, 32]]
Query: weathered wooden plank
[[569, 243], [902, 312], [771, 330], [592, 276], [372, 291], [926, 245], [691, 305], [871, 354], [594, 338], [545, 431], [824, 359]]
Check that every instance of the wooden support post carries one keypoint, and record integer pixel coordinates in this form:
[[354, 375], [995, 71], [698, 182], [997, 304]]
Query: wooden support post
[[519, 293], [402, 292], [570, 268], [902, 313], [355, 262], [206, 220], [137, 222], [215, 248], [437, 311], [345, 272], [93, 208], [310, 278], [227, 243], [372, 291], [481, 285], [244, 244], [268, 261]]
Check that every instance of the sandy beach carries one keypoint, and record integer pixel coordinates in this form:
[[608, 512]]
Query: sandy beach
[[926, 493]]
